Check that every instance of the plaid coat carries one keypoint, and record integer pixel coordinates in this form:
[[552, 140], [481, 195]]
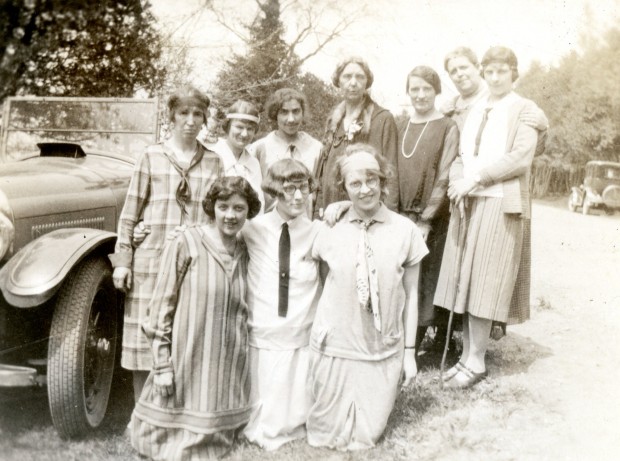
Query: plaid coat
[[152, 198]]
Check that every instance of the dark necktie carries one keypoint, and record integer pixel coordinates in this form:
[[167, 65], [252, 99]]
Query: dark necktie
[[291, 151], [284, 254], [485, 117]]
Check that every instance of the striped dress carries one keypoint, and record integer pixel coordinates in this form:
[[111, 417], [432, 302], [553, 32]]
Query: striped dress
[[151, 198], [197, 328]]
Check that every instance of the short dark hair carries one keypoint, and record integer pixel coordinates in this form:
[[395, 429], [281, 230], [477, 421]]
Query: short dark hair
[[352, 60], [461, 51], [240, 107], [279, 97], [502, 55], [385, 169], [181, 95], [286, 169], [225, 187], [428, 75]]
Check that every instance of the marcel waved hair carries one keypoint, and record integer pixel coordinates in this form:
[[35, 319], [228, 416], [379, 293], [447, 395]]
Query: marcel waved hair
[[284, 170], [225, 187]]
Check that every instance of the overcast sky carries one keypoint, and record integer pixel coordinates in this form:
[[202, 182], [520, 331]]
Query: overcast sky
[[396, 35]]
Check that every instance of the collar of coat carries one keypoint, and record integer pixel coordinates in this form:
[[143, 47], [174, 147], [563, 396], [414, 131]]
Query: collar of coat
[[365, 116]]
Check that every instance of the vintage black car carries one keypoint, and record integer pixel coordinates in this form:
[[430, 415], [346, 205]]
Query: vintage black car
[[600, 188], [60, 199]]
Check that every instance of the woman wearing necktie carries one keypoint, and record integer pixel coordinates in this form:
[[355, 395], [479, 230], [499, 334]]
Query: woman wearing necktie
[[283, 292], [481, 272], [364, 331], [166, 190]]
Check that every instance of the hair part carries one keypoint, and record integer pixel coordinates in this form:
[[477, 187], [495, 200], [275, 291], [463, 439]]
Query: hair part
[[428, 75], [278, 98], [240, 107], [501, 55], [352, 60], [286, 170], [385, 168], [179, 97], [225, 187]]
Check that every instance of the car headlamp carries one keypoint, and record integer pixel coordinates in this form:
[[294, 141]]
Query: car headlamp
[[7, 229]]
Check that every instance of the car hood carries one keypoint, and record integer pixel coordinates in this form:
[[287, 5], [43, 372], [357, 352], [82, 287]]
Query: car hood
[[49, 185]]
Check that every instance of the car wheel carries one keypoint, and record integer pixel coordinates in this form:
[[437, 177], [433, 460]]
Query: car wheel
[[586, 206], [81, 349]]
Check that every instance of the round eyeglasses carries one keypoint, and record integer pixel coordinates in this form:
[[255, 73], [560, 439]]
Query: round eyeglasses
[[290, 189], [356, 185]]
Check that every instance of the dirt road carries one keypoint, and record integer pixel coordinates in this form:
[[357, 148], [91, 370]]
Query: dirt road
[[576, 286]]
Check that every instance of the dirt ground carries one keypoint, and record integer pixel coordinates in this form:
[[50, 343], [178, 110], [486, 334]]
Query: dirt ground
[[552, 393], [576, 325]]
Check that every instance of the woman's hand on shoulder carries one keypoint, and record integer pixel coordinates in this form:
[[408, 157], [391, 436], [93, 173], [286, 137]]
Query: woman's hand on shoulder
[[334, 212]]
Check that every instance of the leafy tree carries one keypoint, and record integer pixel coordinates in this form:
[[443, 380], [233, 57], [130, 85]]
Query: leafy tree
[[269, 63], [78, 48], [581, 97]]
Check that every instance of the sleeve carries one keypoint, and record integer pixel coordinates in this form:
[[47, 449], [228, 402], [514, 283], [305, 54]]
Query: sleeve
[[439, 194], [456, 169], [394, 187], [317, 244], [417, 247], [389, 148], [515, 162], [158, 327], [135, 201]]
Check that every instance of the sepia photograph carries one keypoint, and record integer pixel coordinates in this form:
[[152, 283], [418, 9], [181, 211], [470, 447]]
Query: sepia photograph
[[309, 230]]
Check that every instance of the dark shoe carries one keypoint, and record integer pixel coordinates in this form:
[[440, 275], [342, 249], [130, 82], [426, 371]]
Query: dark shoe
[[464, 379]]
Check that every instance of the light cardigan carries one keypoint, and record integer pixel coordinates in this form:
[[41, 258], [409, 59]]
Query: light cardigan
[[513, 169]]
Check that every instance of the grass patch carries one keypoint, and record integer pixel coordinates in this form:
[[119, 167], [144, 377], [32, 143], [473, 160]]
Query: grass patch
[[427, 423]]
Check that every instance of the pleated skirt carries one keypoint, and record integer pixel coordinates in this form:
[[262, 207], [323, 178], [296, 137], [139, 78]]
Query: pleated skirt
[[481, 261], [352, 400], [280, 394]]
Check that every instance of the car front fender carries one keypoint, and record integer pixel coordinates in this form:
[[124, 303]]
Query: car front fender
[[34, 273]]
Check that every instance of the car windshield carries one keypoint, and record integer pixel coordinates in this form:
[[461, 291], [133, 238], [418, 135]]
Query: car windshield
[[123, 126]]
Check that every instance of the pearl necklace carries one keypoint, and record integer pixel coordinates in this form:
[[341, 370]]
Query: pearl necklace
[[402, 146]]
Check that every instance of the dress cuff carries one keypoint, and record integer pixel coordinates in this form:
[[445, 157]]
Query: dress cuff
[[122, 259], [163, 367]]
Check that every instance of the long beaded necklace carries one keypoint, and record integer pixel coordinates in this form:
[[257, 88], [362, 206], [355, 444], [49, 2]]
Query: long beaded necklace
[[402, 146]]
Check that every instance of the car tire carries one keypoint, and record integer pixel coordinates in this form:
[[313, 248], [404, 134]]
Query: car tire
[[585, 209], [82, 348]]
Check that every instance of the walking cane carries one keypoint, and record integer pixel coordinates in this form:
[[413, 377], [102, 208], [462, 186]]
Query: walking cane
[[457, 272]]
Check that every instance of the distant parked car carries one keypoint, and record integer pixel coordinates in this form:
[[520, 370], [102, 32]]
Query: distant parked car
[[60, 199], [600, 188]]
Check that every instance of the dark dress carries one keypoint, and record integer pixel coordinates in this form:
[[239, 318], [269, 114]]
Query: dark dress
[[378, 130], [425, 153]]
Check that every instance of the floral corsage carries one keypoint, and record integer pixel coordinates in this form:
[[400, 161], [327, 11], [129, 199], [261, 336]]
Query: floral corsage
[[354, 128]]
